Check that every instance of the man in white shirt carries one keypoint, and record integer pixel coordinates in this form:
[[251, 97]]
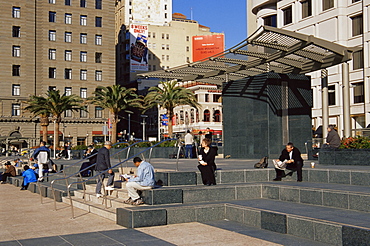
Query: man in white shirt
[[188, 145]]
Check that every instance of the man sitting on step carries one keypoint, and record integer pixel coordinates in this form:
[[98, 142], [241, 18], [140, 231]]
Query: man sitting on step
[[143, 181], [294, 161]]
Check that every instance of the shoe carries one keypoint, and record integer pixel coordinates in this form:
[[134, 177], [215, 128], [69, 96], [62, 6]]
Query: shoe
[[299, 180], [289, 174], [137, 202], [109, 188], [99, 195], [23, 188], [50, 170], [128, 201], [40, 179], [277, 179], [3, 182]]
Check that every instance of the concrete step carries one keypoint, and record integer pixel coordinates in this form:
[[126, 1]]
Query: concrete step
[[118, 192]]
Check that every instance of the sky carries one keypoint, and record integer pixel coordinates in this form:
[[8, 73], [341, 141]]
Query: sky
[[228, 17]]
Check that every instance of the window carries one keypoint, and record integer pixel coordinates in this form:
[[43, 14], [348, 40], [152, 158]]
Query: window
[[357, 25], [217, 116], [52, 35], [68, 91], [52, 16], [16, 31], [83, 74], [52, 72], [98, 4], [16, 12], [353, 1], [187, 59], [16, 51], [149, 34], [83, 3], [163, 57], [68, 113], [68, 37], [98, 39], [270, 21], [16, 70], [165, 7], [331, 94], [83, 20], [83, 56], [98, 57], [52, 88], [187, 38], [187, 48], [16, 109], [165, 15], [163, 46], [83, 92], [167, 36], [358, 92], [52, 1], [153, 34], [358, 59], [68, 55], [216, 98], [16, 90], [306, 8], [52, 54], [98, 75], [287, 13], [68, 19], [206, 97], [67, 73], [167, 57], [67, 2], [150, 67], [206, 116], [162, 35], [327, 4], [167, 46], [154, 67], [98, 112], [83, 114], [83, 38], [98, 21]]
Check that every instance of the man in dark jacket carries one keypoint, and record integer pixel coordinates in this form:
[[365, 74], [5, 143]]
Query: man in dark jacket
[[9, 172], [294, 162], [102, 164], [332, 139]]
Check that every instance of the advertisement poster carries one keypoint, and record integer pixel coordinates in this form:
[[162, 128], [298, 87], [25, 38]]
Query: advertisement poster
[[138, 47], [207, 45]]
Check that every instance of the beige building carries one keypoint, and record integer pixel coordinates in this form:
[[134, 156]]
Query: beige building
[[66, 45]]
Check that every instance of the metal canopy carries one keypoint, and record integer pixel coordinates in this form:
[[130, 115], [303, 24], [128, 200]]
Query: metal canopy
[[269, 49]]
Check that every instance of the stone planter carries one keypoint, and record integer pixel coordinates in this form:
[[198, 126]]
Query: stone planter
[[345, 157]]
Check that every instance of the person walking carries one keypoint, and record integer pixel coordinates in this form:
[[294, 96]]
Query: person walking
[[102, 164], [189, 145], [42, 156]]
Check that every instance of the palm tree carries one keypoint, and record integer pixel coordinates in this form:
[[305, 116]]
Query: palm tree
[[115, 98], [168, 95], [36, 106]]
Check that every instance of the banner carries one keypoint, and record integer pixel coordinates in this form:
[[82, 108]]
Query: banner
[[138, 47], [206, 46], [164, 120]]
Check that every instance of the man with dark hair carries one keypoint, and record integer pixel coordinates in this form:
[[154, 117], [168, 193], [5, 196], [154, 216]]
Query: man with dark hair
[[292, 156], [42, 156], [29, 176], [332, 139], [189, 145], [102, 164], [143, 181], [9, 172]]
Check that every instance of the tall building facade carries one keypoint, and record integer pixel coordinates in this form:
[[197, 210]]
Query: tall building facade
[[66, 45], [344, 22]]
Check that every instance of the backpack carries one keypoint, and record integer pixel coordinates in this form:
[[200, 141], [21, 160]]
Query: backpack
[[262, 163]]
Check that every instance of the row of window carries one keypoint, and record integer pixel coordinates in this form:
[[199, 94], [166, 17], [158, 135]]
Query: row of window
[[16, 71], [16, 90], [83, 3], [16, 111], [358, 93], [68, 19], [179, 118], [68, 74]]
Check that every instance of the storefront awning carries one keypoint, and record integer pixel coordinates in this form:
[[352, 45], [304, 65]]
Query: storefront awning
[[269, 49]]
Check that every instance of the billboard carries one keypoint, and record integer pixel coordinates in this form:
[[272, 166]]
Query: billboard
[[138, 47], [207, 45]]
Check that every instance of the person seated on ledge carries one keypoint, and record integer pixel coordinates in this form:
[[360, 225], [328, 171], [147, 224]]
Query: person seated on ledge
[[207, 165], [29, 176], [143, 181], [332, 139], [294, 162], [9, 172]]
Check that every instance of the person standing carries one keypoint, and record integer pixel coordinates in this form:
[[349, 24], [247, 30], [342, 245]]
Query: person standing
[[208, 134], [69, 150], [9, 172], [143, 181], [42, 156], [294, 162], [102, 164], [207, 165], [332, 139], [29, 176], [189, 145]]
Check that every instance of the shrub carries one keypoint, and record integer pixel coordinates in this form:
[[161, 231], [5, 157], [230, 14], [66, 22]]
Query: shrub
[[358, 142]]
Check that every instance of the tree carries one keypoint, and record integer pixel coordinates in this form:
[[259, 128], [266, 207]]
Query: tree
[[115, 98], [36, 106], [169, 95]]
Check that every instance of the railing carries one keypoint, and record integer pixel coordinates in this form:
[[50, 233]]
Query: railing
[[99, 176], [79, 172]]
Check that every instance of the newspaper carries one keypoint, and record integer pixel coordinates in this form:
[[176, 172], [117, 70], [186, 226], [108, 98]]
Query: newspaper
[[280, 164]]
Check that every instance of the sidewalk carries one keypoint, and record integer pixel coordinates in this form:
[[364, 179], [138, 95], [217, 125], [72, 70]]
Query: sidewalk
[[25, 221]]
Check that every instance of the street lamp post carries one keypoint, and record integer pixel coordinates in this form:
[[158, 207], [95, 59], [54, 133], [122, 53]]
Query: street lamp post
[[129, 122], [143, 123]]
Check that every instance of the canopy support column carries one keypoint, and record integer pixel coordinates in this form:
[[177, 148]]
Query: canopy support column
[[346, 101]]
